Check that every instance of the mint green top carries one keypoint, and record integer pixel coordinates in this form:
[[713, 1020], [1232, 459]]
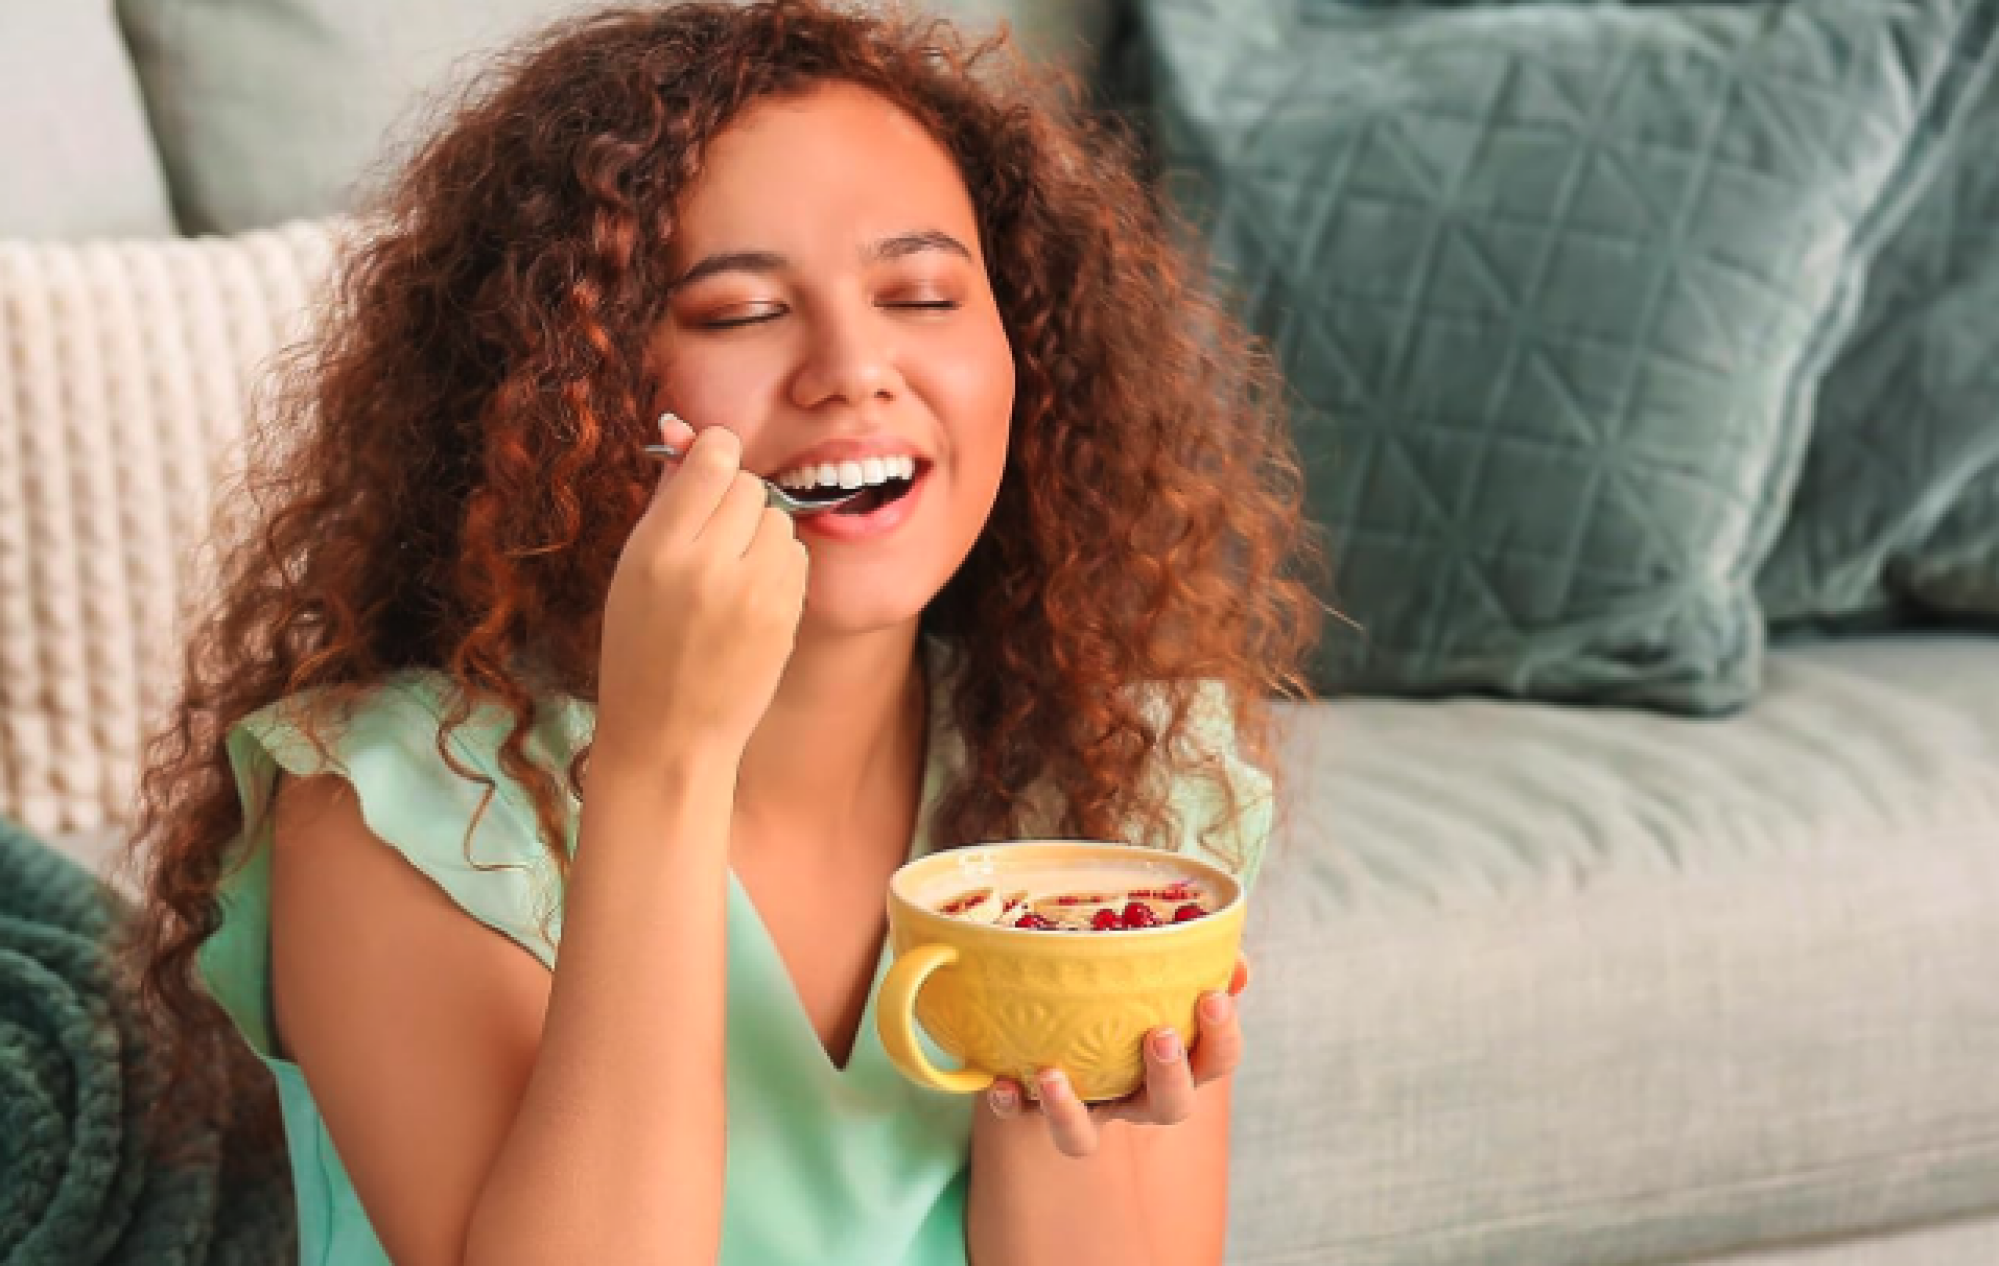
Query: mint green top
[[830, 1166]]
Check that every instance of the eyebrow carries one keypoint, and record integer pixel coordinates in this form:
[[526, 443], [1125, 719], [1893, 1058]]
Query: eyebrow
[[901, 246]]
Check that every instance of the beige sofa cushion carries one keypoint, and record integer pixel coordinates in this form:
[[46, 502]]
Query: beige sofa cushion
[[1591, 987], [124, 374]]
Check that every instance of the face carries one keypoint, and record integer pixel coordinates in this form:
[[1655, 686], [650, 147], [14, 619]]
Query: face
[[831, 307]]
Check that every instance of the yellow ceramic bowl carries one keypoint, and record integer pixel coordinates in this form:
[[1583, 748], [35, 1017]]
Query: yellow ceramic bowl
[[1007, 1002]]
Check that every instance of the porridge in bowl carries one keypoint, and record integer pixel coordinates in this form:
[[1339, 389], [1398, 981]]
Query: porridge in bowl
[[1106, 906], [1051, 953]]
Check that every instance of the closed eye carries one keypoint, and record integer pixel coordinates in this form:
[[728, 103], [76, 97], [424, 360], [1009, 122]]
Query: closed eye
[[737, 323]]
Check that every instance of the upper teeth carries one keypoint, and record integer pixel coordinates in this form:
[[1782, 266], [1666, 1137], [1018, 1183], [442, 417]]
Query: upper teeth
[[866, 473]]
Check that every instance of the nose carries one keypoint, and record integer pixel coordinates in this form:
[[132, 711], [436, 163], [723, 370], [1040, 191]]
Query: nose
[[850, 360]]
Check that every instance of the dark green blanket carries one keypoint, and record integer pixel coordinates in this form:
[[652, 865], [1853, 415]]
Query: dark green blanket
[[82, 1178]]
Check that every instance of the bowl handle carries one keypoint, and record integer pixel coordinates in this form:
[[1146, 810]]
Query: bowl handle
[[895, 1019]]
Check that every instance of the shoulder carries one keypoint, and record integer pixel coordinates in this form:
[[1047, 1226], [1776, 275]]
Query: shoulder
[[1221, 800], [389, 765], [411, 724]]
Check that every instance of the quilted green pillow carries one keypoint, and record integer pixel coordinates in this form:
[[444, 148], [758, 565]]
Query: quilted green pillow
[[1553, 285], [1957, 572], [1897, 511]]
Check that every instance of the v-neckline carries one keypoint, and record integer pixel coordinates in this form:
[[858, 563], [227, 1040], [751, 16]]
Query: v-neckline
[[770, 960], [774, 977]]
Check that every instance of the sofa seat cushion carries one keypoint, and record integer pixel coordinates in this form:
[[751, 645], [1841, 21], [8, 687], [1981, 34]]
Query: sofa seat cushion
[[1558, 985]]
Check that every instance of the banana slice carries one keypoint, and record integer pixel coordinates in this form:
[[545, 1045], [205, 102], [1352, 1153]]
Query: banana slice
[[1072, 911], [977, 906]]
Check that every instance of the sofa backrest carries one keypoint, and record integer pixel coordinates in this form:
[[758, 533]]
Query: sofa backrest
[[244, 116], [75, 147]]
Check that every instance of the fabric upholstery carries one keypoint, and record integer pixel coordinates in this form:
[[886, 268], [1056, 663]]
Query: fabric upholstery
[[294, 108], [1896, 514], [126, 371], [1553, 286], [74, 144], [1596, 987]]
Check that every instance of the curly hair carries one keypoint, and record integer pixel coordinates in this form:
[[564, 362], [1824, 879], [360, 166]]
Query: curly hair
[[451, 466]]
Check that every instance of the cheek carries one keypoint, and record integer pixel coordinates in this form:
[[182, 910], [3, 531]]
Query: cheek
[[976, 384], [709, 384]]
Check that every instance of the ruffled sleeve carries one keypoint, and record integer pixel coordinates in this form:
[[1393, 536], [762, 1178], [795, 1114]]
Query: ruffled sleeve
[[482, 851], [1233, 837]]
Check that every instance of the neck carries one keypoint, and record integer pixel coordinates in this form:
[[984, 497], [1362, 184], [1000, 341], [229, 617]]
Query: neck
[[847, 721]]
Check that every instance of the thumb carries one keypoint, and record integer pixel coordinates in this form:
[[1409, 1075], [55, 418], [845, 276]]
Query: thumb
[[673, 429]]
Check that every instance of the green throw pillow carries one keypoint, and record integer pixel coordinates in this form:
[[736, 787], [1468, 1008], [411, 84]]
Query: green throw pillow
[[1896, 514], [1958, 572], [1553, 286], [289, 109]]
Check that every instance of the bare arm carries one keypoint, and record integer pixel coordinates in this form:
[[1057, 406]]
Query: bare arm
[[488, 1112], [617, 1153], [491, 1113], [1148, 1196], [1142, 1180]]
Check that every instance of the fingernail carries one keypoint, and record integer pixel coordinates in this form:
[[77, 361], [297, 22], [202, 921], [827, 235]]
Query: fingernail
[[1002, 1099], [1053, 1081], [1215, 1008], [1166, 1046]]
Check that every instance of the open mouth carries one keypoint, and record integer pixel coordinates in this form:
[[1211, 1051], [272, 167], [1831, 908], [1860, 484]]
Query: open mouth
[[875, 497]]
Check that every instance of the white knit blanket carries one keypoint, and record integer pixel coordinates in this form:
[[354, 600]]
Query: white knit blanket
[[126, 373]]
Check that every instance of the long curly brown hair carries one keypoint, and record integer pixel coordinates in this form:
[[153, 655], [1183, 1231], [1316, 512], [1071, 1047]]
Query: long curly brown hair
[[452, 464]]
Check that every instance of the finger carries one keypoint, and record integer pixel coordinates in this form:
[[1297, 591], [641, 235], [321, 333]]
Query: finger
[[1218, 1050], [781, 565], [733, 526], [1239, 978], [1005, 1099], [688, 497], [1069, 1123], [678, 436], [1169, 1080], [775, 532], [676, 432]]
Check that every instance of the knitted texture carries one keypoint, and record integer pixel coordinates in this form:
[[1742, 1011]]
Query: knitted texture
[[126, 372], [81, 1180]]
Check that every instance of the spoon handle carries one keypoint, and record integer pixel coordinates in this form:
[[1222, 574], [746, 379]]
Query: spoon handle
[[776, 497]]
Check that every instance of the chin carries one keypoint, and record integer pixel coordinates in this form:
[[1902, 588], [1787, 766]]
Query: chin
[[852, 613]]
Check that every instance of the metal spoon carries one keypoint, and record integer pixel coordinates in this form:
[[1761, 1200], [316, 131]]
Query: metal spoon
[[777, 497]]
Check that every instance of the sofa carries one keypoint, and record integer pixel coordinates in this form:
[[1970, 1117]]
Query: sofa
[[1576, 959]]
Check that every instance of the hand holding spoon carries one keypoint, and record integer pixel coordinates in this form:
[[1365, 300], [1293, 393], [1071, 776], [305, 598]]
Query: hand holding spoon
[[778, 498]]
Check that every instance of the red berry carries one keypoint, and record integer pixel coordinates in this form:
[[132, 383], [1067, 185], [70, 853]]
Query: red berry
[[1140, 915], [1105, 921], [1187, 912], [1034, 923]]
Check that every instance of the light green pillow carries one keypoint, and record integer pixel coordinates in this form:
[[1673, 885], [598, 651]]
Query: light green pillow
[[1896, 515], [281, 109], [1553, 285], [76, 158], [1956, 573]]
